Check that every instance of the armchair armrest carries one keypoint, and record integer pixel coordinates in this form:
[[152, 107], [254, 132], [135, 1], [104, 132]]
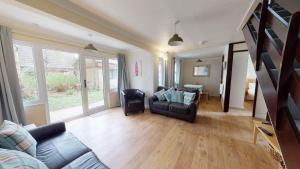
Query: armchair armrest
[[140, 94], [193, 110], [193, 106], [123, 97], [123, 93], [47, 131]]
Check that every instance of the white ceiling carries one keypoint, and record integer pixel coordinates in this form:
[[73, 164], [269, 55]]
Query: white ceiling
[[217, 51], [214, 21], [16, 16]]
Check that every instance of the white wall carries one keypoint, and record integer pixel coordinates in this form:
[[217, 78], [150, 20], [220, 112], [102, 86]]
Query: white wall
[[261, 108], [148, 81], [238, 79], [36, 114], [113, 99], [212, 82], [240, 46], [250, 71]]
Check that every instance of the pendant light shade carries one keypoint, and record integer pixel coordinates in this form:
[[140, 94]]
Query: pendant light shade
[[175, 40], [90, 47]]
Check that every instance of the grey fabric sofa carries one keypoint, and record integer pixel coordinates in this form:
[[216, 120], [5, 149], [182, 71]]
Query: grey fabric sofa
[[58, 148], [176, 110]]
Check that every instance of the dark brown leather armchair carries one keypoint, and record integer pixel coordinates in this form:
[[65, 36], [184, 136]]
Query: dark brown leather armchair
[[133, 100]]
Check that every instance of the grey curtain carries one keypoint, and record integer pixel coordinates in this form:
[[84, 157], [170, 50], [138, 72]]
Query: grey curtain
[[122, 75], [11, 104]]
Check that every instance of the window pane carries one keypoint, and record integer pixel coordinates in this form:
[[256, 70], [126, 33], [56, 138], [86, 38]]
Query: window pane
[[62, 74], [176, 71], [161, 72], [113, 74], [26, 72], [159, 75]]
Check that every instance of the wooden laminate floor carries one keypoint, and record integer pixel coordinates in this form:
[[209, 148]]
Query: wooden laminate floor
[[151, 141]]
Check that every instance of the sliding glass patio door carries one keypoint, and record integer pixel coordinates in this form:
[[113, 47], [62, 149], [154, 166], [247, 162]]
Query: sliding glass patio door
[[67, 82]]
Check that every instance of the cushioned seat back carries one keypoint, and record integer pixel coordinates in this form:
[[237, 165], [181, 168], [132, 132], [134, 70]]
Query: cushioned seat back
[[60, 150], [159, 88], [130, 93]]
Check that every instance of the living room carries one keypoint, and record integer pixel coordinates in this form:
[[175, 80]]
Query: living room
[[131, 84]]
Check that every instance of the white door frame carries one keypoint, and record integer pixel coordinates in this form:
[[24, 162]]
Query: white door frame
[[41, 78], [105, 82]]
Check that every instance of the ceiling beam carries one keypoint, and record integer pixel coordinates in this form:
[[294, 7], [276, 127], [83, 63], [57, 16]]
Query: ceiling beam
[[79, 16]]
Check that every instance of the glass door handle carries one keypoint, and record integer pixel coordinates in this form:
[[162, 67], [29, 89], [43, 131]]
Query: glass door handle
[[84, 83]]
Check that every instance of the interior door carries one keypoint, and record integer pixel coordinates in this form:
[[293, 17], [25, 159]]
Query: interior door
[[94, 84]]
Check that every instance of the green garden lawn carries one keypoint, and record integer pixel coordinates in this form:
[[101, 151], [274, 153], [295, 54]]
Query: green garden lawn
[[62, 100]]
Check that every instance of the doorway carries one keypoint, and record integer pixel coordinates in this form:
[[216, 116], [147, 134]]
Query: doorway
[[94, 78], [250, 87], [67, 82], [76, 84], [238, 82], [242, 84]]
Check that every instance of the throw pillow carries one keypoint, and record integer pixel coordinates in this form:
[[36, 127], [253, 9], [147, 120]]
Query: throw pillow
[[168, 94], [188, 97], [15, 137], [177, 96], [16, 159], [160, 95]]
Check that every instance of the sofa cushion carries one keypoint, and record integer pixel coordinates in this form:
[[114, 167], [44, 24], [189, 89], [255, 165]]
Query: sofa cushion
[[160, 95], [177, 96], [60, 150], [86, 161], [10, 159], [135, 103], [163, 105], [168, 94], [179, 108], [189, 98], [15, 137]]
